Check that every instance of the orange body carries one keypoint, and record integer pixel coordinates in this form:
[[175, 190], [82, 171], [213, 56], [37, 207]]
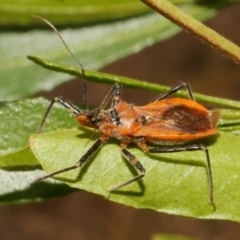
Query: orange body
[[169, 121]]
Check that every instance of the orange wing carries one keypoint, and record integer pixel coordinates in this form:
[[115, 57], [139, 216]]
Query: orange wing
[[176, 119]]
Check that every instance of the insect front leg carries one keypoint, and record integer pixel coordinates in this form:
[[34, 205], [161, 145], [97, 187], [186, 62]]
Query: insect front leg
[[82, 160], [176, 89], [64, 103], [194, 147], [115, 93], [133, 160]]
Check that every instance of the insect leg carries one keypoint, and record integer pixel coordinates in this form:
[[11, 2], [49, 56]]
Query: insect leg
[[176, 89], [65, 104], [82, 160], [114, 92], [132, 159], [116, 95], [194, 147]]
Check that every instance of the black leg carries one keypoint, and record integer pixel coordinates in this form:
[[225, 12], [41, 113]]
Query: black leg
[[114, 93], [132, 159], [64, 103], [194, 147], [82, 160], [176, 89]]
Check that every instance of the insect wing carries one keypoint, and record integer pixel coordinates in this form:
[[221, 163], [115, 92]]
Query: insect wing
[[176, 120]]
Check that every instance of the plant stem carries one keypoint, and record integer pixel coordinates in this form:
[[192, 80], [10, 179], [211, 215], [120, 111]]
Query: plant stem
[[131, 83], [196, 28]]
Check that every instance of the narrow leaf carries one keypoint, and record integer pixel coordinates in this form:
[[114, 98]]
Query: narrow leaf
[[95, 46], [68, 12]]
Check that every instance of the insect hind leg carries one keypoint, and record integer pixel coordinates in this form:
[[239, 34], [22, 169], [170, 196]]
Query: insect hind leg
[[133, 160], [193, 147], [176, 89]]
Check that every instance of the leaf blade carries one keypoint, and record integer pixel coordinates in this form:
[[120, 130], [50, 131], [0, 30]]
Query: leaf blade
[[19, 13], [174, 183], [109, 42]]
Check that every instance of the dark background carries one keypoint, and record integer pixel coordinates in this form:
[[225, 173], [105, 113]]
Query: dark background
[[85, 216]]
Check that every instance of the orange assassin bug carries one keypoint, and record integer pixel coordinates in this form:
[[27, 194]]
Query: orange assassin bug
[[169, 123]]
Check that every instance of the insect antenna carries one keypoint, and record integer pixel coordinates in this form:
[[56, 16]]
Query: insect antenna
[[85, 102]]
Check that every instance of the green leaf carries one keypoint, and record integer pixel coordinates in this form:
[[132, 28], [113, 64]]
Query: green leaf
[[22, 119], [95, 46], [174, 183], [174, 177], [68, 12], [16, 188], [18, 163]]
